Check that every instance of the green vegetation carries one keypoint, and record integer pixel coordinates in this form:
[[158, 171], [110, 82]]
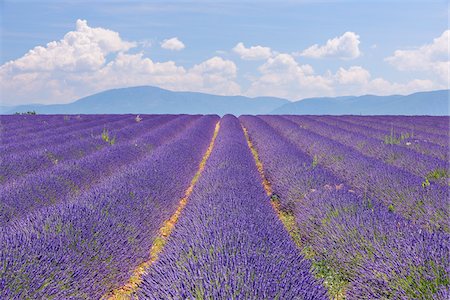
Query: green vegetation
[[426, 183], [32, 112], [107, 138], [315, 161], [435, 175], [417, 285], [438, 174], [335, 281], [393, 139], [391, 207]]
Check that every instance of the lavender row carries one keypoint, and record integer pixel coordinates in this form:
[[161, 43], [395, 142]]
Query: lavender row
[[16, 123], [399, 129], [413, 124], [22, 124], [429, 168], [51, 186], [360, 247], [229, 243], [384, 136], [401, 191], [51, 154], [390, 138], [31, 133], [379, 253], [20, 159], [61, 135], [82, 249], [434, 124]]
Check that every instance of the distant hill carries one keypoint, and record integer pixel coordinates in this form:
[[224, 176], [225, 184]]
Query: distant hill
[[153, 100], [423, 103]]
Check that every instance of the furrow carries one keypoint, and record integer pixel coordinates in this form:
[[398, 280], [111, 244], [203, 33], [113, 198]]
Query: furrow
[[128, 289], [229, 242]]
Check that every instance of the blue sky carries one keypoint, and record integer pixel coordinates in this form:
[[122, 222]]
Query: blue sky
[[121, 43]]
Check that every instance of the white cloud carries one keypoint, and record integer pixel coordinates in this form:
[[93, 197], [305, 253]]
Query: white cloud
[[353, 75], [145, 43], [285, 63], [282, 76], [345, 46], [217, 76], [216, 65], [431, 58], [252, 53], [134, 69], [358, 81], [76, 66], [88, 60], [173, 44], [81, 50], [380, 86]]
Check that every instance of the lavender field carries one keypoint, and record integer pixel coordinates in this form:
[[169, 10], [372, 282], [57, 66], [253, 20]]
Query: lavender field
[[203, 207]]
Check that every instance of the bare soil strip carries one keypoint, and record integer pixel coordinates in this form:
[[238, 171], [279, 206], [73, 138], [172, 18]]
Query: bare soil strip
[[128, 289], [287, 219]]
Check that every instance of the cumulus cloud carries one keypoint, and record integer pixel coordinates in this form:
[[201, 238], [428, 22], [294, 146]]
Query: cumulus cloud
[[81, 50], [173, 44], [76, 66], [283, 76], [345, 46], [380, 86], [352, 75], [217, 76], [433, 58], [358, 81], [88, 60], [252, 53]]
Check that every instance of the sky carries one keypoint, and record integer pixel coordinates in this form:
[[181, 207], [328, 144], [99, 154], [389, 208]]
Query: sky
[[59, 51]]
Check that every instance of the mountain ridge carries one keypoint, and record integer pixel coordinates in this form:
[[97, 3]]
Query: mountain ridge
[[154, 100], [420, 103]]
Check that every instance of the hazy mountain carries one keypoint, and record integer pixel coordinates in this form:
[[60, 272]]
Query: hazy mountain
[[153, 100], [423, 103]]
